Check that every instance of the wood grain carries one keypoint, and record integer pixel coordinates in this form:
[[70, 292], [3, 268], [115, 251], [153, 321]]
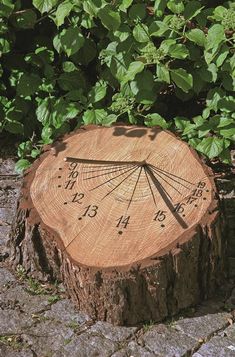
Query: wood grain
[[167, 257]]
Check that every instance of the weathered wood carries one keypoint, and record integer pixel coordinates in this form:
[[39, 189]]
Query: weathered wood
[[144, 273]]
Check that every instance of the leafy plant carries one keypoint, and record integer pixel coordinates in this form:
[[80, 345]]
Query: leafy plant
[[65, 63]]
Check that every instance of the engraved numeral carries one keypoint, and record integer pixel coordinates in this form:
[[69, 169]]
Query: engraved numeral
[[73, 174], [73, 166], [201, 184], [91, 211], [77, 197], [160, 216], [197, 193], [191, 199], [69, 184], [123, 221], [179, 207]]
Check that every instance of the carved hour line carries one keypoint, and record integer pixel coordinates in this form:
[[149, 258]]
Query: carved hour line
[[107, 194], [157, 173], [150, 187], [133, 192], [112, 178], [166, 199], [100, 162], [171, 178], [105, 169], [103, 174], [170, 174], [166, 192]]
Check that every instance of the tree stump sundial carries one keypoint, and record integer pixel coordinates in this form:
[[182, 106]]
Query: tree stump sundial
[[118, 214]]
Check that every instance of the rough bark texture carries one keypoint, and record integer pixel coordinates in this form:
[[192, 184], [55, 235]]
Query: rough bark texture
[[188, 273], [177, 280]]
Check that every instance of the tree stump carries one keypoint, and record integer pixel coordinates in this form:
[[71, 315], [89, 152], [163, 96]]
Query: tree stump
[[127, 217]]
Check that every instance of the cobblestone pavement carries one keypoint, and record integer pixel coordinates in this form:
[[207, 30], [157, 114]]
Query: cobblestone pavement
[[37, 320]]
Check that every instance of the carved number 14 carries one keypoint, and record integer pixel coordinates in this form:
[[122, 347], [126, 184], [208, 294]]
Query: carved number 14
[[123, 221]]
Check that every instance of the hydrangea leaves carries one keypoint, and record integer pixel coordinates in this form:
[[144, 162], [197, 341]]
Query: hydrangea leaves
[[98, 61]]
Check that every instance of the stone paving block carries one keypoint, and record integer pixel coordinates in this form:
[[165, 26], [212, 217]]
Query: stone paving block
[[5, 277], [203, 327], [47, 337], [6, 216], [7, 166], [114, 333], [217, 347], [134, 350], [4, 234], [8, 194], [222, 345], [13, 322], [65, 312], [165, 341], [18, 296], [88, 345], [6, 351]]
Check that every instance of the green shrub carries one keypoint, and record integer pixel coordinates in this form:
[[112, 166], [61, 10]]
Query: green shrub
[[168, 63]]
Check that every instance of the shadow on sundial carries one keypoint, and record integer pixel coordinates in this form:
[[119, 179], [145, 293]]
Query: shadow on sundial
[[58, 147], [136, 133]]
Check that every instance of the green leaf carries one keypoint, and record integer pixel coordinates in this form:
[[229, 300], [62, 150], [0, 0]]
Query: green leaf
[[140, 33], [95, 116], [182, 79], [55, 112], [14, 127], [68, 66], [227, 104], [143, 82], [222, 55], [215, 36], [22, 165], [6, 8], [181, 123], [71, 40], [228, 132], [197, 36], [125, 4], [98, 92], [62, 11], [213, 96], [134, 68], [208, 73], [28, 84], [192, 9], [211, 146], [176, 6], [163, 73], [156, 119], [109, 119], [178, 51], [137, 12], [25, 19], [158, 28], [46, 134], [109, 18], [92, 6], [5, 46], [119, 65], [45, 110], [214, 40], [45, 5]]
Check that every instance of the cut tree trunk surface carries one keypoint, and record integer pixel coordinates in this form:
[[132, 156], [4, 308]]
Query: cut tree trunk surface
[[127, 217]]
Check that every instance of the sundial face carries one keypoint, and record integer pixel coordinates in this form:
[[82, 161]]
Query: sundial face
[[120, 194]]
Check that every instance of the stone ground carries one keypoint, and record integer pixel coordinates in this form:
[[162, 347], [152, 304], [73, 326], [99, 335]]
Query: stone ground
[[37, 320]]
